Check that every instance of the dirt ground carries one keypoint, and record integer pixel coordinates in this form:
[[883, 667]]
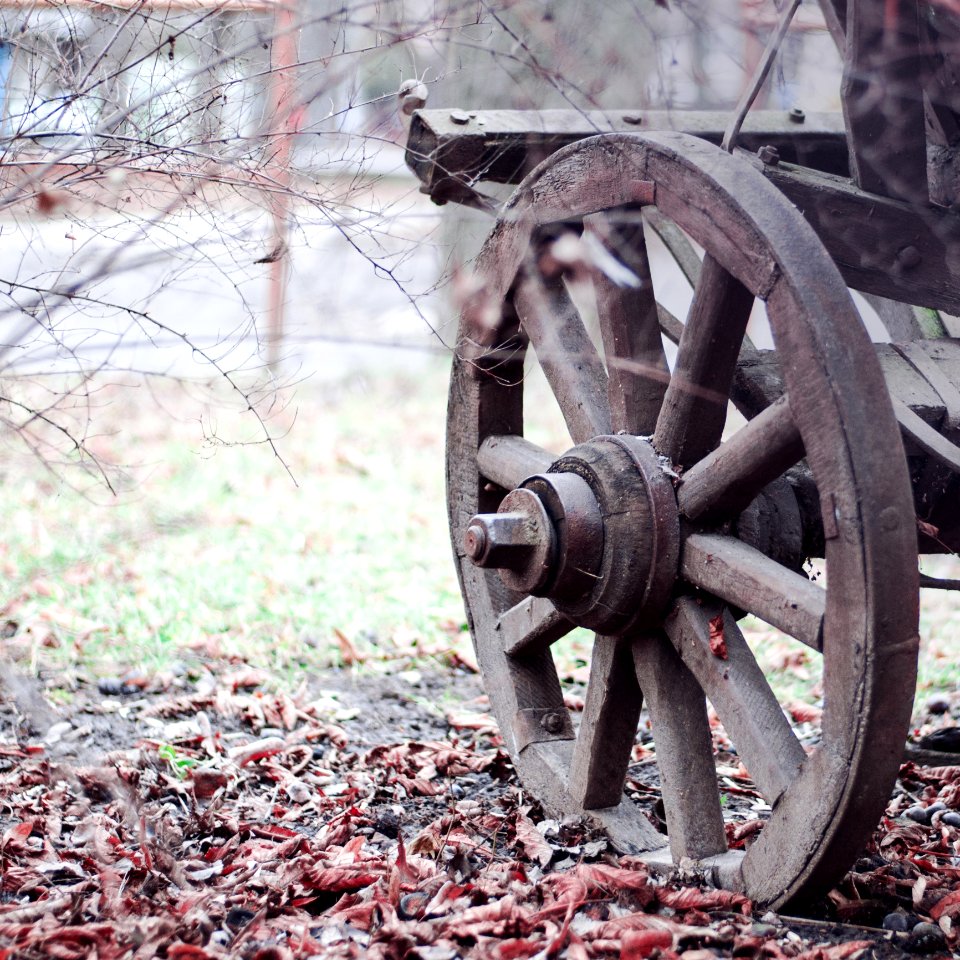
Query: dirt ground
[[211, 815]]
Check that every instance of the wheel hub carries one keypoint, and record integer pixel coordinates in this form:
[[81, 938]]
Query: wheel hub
[[598, 534]]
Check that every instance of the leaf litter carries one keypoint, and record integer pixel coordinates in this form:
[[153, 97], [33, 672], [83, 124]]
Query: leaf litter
[[233, 819]]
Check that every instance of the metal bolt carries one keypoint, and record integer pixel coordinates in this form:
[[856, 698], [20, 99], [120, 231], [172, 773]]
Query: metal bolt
[[552, 722], [459, 116], [797, 115], [499, 539], [475, 541], [909, 257], [769, 155]]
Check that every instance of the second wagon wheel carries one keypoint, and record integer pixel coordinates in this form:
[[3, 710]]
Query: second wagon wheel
[[603, 536]]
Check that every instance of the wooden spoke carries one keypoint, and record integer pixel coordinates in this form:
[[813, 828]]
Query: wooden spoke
[[569, 360], [695, 406], [533, 624], [509, 460], [636, 364], [675, 240], [608, 728], [681, 735], [739, 692], [746, 578], [670, 326], [727, 480]]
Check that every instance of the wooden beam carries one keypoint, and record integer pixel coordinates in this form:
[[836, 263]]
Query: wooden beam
[[451, 149], [881, 245]]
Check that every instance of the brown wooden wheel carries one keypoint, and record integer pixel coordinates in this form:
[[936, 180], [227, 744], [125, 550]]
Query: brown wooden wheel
[[604, 536]]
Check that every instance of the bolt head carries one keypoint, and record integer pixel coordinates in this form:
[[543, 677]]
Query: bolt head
[[909, 257], [552, 722], [769, 155], [475, 541], [797, 115]]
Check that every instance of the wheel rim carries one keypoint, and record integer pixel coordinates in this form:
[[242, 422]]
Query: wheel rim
[[757, 246]]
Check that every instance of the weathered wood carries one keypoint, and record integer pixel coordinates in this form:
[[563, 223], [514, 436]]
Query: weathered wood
[[725, 481], [835, 17], [533, 624], [509, 460], [608, 726], [681, 249], [744, 577], [883, 99], [695, 406], [681, 736], [931, 442], [502, 146], [739, 692], [637, 368], [566, 354], [842, 410], [881, 245]]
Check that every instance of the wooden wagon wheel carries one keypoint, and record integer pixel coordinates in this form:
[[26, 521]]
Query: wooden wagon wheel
[[602, 536]]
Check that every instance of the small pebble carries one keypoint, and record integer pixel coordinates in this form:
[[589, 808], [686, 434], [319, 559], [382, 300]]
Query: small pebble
[[115, 687], [237, 917], [937, 705], [387, 823], [925, 938], [951, 818], [899, 922], [936, 808], [918, 814]]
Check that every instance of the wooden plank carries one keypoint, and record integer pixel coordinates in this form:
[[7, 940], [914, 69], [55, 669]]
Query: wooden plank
[[608, 727], [681, 735], [883, 99], [448, 149], [566, 353], [509, 460], [881, 245], [637, 368], [745, 578], [725, 481], [739, 692], [533, 624], [695, 406]]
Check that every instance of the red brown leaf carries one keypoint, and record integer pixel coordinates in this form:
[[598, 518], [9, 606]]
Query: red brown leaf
[[532, 841], [718, 643], [638, 944]]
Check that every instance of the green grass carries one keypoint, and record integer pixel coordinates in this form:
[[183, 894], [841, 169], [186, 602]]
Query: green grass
[[210, 549], [213, 547]]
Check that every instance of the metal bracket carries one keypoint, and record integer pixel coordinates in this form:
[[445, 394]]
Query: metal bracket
[[539, 724]]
